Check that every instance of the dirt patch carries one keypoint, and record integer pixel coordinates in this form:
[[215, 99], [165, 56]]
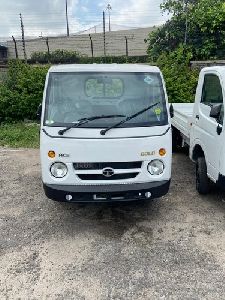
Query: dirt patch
[[172, 248]]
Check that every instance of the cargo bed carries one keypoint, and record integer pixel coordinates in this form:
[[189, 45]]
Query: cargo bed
[[182, 119]]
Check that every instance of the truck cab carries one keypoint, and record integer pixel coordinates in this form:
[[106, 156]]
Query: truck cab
[[200, 125], [207, 131], [105, 133]]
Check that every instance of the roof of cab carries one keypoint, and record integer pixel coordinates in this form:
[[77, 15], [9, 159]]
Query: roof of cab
[[219, 69], [104, 68]]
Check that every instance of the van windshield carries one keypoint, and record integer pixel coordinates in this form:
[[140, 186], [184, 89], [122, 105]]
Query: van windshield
[[74, 96]]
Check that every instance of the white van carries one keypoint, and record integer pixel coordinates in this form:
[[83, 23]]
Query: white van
[[105, 133]]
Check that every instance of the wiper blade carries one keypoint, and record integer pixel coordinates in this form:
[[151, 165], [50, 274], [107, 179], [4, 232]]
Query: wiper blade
[[104, 131], [86, 120]]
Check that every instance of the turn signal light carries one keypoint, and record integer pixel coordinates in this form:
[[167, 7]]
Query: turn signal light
[[162, 152], [51, 154]]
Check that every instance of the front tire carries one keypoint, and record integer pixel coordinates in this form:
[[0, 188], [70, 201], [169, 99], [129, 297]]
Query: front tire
[[202, 179]]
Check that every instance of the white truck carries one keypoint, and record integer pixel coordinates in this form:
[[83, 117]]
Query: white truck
[[105, 133], [200, 126]]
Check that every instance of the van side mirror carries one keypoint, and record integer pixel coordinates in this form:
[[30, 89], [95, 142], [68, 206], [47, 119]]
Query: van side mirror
[[215, 111], [39, 112], [171, 111]]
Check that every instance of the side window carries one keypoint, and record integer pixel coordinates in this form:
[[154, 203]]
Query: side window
[[212, 90]]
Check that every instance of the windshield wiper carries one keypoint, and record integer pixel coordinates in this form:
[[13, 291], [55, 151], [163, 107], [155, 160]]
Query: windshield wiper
[[104, 131], [87, 120]]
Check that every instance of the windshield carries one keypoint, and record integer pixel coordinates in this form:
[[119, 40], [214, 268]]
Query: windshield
[[74, 96]]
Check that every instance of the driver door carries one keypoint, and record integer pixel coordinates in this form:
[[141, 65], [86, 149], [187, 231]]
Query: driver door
[[212, 93]]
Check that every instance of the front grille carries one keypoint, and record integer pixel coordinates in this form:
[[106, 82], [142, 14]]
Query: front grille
[[101, 177], [114, 165]]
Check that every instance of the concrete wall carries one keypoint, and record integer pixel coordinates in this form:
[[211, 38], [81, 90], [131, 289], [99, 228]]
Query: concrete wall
[[115, 43], [207, 63]]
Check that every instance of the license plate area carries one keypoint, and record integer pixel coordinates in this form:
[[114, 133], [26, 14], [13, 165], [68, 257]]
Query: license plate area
[[100, 197]]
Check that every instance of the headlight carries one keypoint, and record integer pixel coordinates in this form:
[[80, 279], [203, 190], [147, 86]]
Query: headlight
[[156, 167], [59, 170]]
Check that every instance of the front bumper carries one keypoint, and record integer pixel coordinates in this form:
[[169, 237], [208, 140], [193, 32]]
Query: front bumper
[[106, 193]]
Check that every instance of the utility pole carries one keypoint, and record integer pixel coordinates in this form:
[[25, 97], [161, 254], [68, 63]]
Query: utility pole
[[127, 54], [104, 33], [47, 44], [92, 49], [186, 22], [67, 21], [16, 51], [23, 39], [109, 8]]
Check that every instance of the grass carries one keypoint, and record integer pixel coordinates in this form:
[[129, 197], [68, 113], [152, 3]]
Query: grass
[[19, 135]]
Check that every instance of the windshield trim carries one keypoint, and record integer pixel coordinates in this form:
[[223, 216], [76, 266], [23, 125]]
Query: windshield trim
[[104, 137], [126, 125]]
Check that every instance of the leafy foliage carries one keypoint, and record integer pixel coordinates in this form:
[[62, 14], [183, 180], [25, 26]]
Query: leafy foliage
[[196, 30], [181, 80], [65, 56], [205, 29], [22, 91], [55, 57]]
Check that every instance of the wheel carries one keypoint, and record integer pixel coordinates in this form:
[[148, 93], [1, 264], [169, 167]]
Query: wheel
[[202, 179], [176, 140]]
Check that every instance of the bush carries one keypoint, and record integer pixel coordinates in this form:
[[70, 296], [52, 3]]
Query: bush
[[64, 56], [56, 57], [181, 80], [21, 92]]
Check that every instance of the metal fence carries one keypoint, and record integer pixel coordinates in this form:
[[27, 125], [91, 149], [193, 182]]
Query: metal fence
[[117, 43]]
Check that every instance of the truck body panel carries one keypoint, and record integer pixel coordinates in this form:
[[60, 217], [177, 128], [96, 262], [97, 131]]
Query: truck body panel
[[126, 162], [202, 131]]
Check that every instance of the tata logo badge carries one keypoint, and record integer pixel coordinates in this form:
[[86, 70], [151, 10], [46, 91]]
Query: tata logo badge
[[148, 153], [64, 155], [108, 172]]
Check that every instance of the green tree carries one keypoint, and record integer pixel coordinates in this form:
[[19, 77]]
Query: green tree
[[181, 80], [201, 21]]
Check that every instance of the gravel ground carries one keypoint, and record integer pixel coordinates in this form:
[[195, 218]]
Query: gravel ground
[[171, 248]]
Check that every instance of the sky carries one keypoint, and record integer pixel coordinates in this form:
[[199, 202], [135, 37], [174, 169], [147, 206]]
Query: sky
[[47, 17]]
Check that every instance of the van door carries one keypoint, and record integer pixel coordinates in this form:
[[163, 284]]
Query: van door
[[205, 127]]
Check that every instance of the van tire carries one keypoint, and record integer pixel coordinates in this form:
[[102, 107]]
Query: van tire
[[202, 179], [176, 140]]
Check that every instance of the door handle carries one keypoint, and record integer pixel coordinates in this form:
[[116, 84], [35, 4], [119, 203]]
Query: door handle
[[197, 117]]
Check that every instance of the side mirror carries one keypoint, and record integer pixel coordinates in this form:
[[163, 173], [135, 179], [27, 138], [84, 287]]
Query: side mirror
[[171, 111], [39, 112], [215, 111]]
